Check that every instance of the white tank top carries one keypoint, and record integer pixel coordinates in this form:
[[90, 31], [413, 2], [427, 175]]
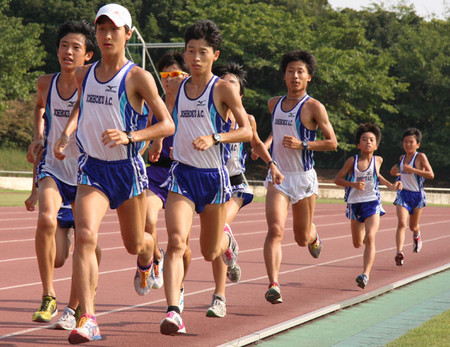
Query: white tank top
[[194, 118], [289, 123], [411, 181], [236, 163], [57, 112], [370, 177], [105, 105]]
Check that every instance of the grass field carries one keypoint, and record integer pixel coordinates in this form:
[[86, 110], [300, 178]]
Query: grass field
[[435, 332], [13, 197], [14, 160]]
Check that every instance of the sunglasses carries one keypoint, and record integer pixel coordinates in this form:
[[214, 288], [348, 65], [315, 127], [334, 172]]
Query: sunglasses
[[172, 74]]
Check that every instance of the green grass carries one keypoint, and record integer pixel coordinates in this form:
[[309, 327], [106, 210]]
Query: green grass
[[435, 332], [10, 198], [14, 160]]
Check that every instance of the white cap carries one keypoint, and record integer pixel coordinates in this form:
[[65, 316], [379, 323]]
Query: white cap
[[118, 14]]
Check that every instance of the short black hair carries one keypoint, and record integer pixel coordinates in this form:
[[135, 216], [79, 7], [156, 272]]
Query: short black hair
[[299, 55], [235, 69], [204, 29], [368, 128], [80, 27], [172, 58], [414, 132]]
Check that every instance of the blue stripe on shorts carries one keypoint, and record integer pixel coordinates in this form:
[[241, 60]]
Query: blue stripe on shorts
[[119, 180], [202, 186], [361, 211]]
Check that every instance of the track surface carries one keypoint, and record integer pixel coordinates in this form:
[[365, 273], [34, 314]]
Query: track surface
[[124, 317]]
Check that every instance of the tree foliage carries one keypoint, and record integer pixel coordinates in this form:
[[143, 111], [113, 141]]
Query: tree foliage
[[390, 67], [20, 56]]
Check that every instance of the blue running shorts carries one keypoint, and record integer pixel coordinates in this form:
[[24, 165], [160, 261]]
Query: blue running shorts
[[362, 210], [120, 180], [65, 218], [202, 186], [410, 200], [156, 177], [241, 191], [67, 191]]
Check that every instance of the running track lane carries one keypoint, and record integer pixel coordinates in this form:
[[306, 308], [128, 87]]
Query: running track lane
[[126, 318]]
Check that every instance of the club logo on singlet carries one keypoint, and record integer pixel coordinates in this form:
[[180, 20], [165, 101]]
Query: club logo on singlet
[[64, 113], [368, 177], [192, 114], [99, 99], [111, 89], [284, 122]]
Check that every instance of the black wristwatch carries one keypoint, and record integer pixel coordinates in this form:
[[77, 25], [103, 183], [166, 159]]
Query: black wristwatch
[[217, 137], [272, 162], [130, 138], [305, 144]]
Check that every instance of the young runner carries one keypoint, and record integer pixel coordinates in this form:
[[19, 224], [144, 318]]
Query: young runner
[[56, 180], [361, 176], [295, 120], [110, 124], [412, 171], [198, 180], [241, 195], [173, 69]]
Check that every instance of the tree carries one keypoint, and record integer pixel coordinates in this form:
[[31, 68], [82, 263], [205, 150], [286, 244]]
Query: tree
[[20, 55]]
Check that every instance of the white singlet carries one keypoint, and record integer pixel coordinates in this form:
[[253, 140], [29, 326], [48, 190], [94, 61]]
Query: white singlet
[[105, 105], [57, 112], [370, 178], [194, 118], [289, 123], [411, 181]]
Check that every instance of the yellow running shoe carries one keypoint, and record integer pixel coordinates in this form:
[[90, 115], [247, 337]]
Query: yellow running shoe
[[47, 311]]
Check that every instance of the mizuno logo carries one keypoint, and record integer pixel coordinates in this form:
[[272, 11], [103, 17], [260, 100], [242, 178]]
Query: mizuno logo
[[71, 103], [291, 114], [111, 89], [201, 103]]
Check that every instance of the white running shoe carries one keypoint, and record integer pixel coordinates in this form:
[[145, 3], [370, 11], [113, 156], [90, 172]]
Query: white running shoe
[[143, 280], [417, 244], [231, 254], [67, 321], [316, 247], [234, 273], [218, 308], [172, 324], [87, 331], [158, 281]]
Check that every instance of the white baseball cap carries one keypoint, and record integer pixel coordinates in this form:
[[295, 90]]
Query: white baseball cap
[[118, 14]]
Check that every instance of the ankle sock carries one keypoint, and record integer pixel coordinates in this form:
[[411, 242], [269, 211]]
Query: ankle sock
[[173, 308]]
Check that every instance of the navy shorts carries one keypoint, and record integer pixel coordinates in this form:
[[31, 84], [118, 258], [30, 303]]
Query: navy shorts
[[202, 186], [241, 191], [361, 211], [65, 218], [119, 180], [410, 200], [67, 191], [156, 177]]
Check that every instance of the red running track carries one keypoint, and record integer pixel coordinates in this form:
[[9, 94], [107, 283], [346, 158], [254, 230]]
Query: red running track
[[126, 318]]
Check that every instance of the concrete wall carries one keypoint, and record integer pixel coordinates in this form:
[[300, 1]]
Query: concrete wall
[[331, 191], [16, 183], [326, 191]]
